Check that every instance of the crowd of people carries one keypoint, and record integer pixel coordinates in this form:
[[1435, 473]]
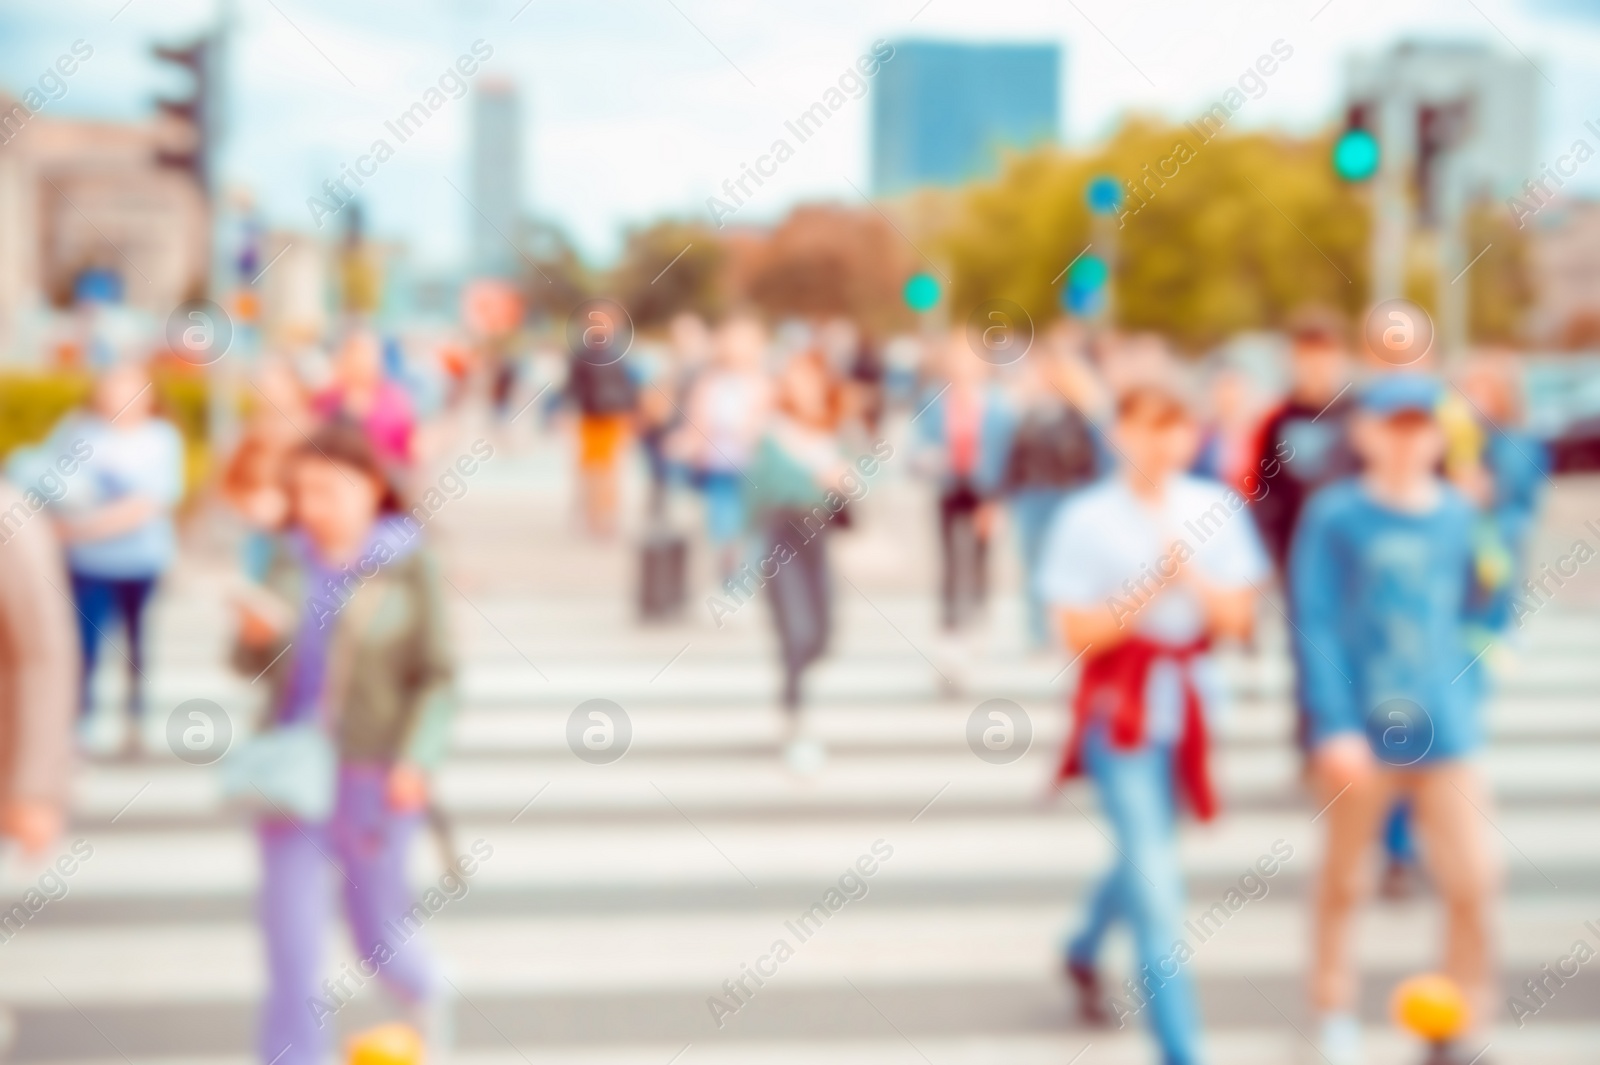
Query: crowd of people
[[1383, 511]]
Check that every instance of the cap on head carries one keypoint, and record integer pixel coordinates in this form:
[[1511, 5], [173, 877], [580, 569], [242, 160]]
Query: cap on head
[[1401, 393]]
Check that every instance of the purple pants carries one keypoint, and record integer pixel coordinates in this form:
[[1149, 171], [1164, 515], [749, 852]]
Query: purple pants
[[366, 842]]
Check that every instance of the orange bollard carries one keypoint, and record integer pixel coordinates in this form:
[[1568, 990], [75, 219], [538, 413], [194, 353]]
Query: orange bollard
[[387, 1044], [1430, 1006]]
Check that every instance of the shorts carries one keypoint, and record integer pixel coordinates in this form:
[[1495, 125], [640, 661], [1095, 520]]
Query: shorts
[[600, 439]]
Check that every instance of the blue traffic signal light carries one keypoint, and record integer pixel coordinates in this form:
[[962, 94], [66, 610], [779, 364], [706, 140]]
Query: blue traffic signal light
[[1104, 195]]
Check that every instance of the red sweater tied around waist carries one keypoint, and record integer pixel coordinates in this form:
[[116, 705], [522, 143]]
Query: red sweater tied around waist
[[1112, 690]]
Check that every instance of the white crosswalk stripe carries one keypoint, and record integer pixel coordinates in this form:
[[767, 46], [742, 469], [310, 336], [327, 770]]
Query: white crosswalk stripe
[[619, 900]]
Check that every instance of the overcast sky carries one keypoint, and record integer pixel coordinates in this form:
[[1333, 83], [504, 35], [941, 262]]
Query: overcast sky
[[638, 108]]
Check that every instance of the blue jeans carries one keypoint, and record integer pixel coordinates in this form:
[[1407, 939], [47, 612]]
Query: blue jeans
[[1033, 510], [1144, 888], [1398, 845], [99, 600], [724, 506]]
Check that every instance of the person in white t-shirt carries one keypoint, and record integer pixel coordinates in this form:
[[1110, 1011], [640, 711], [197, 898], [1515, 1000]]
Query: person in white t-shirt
[[1143, 571], [116, 517], [728, 407]]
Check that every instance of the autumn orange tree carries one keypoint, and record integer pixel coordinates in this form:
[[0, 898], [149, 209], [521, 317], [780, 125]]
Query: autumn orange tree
[[825, 260]]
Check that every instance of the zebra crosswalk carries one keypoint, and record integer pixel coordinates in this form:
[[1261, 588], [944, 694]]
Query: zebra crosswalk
[[621, 901]]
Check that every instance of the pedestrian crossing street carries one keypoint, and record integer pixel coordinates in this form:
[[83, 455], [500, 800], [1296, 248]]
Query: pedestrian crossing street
[[619, 898]]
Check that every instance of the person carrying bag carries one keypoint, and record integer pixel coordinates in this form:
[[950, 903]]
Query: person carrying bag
[[361, 692]]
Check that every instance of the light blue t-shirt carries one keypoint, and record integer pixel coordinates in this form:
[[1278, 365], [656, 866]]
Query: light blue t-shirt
[[1385, 603], [143, 460], [1108, 549]]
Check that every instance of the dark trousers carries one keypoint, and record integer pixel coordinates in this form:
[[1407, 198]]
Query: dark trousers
[[100, 600], [801, 604], [964, 555]]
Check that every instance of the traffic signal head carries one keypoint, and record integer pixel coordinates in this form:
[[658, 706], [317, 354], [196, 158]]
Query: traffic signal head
[[195, 111], [1356, 155], [921, 292], [1084, 292], [1104, 195]]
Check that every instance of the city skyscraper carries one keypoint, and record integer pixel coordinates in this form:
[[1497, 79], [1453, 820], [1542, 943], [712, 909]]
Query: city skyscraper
[[496, 177], [942, 112]]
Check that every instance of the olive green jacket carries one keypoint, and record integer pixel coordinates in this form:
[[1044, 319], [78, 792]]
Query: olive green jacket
[[390, 675]]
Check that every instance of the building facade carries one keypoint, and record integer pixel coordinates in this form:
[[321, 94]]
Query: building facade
[[944, 113], [82, 196], [1565, 264], [496, 178], [1484, 101]]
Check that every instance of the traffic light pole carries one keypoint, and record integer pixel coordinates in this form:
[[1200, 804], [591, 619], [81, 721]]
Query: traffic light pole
[[1104, 230], [224, 374], [1453, 330], [1391, 203]]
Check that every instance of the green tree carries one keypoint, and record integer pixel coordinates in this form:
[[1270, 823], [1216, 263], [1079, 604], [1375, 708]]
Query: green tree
[[667, 268], [1500, 293], [1216, 236], [553, 276]]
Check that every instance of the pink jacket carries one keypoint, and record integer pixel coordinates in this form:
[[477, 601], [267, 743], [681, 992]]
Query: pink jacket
[[388, 422]]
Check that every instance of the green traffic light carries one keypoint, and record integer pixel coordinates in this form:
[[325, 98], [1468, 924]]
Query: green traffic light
[[1356, 155], [1089, 273], [921, 292]]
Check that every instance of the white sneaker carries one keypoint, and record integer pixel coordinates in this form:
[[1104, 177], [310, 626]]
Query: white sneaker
[[952, 656], [435, 1021], [101, 735], [805, 757], [1339, 1039]]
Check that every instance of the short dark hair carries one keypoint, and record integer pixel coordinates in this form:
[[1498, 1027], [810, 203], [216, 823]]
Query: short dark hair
[[1156, 403], [343, 443], [1317, 327]]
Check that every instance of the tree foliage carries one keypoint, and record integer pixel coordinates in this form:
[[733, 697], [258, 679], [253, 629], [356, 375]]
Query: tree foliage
[[1500, 293], [670, 267], [553, 278], [826, 260], [1217, 236]]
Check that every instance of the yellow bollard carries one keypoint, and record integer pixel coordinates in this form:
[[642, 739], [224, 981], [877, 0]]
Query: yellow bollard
[[387, 1044], [1431, 1007]]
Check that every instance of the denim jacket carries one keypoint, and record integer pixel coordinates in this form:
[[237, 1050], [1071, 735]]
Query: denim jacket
[[996, 424]]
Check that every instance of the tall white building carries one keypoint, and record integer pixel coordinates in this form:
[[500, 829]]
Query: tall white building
[[1416, 90], [1457, 123], [496, 180]]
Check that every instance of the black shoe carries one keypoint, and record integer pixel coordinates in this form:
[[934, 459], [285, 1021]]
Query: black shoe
[[1456, 1053], [1085, 979], [1398, 883]]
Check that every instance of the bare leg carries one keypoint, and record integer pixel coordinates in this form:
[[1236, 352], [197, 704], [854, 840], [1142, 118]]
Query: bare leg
[[1351, 823], [1452, 803]]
